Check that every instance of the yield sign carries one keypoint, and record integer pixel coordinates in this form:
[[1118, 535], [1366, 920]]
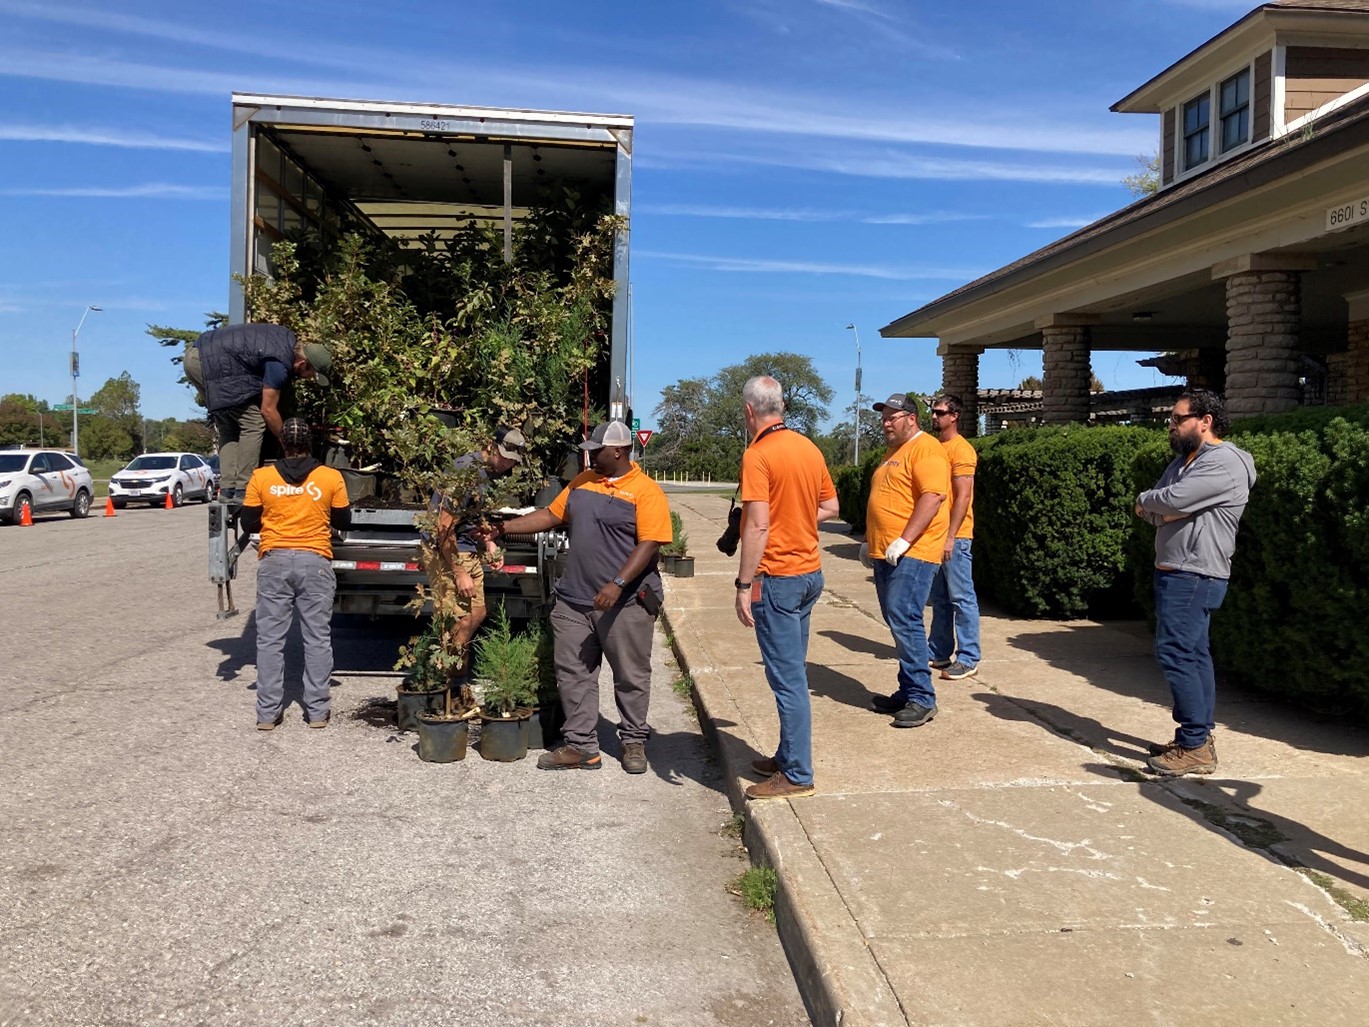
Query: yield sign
[[644, 436]]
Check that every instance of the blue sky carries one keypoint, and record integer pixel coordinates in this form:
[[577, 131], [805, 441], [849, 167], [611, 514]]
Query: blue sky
[[800, 164]]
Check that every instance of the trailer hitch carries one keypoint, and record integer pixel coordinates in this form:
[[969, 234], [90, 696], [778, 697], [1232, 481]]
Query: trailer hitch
[[226, 544]]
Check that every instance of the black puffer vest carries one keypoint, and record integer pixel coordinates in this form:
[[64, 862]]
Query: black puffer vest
[[233, 360]]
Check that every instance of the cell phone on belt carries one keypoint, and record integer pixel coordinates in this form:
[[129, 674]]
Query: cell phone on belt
[[650, 601]]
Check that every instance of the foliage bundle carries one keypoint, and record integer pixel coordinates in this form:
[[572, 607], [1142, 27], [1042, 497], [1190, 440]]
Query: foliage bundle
[[679, 538], [508, 666], [426, 659]]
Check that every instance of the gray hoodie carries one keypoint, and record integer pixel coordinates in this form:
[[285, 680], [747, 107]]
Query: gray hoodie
[[1208, 495]]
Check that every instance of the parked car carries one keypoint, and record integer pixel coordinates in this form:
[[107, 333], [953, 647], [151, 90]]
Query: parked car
[[150, 478], [42, 480], [213, 461]]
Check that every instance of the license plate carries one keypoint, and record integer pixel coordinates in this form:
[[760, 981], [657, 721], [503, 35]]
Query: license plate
[[135, 492]]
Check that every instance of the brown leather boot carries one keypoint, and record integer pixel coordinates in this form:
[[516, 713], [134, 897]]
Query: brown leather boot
[[765, 767], [777, 786], [569, 758], [1177, 762]]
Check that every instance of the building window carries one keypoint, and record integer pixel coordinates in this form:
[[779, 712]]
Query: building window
[[1235, 110], [1197, 120]]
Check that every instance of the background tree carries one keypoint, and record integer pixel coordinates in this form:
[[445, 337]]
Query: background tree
[[1146, 181], [838, 445], [102, 439], [1034, 382], [178, 339], [185, 436], [26, 420], [117, 421]]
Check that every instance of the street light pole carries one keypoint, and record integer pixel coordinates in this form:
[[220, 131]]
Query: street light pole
[[76, 373], [852, 328]]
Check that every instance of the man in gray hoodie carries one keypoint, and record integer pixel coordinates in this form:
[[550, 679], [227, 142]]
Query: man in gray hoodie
[[1196, 507]]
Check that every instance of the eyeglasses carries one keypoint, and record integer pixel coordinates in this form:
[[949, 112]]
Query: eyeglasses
[[942, 413], [1178, 419]]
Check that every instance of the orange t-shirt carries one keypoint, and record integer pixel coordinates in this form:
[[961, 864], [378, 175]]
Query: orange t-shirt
[[296, 516], [920, 465], [964, 459], [787, 471]]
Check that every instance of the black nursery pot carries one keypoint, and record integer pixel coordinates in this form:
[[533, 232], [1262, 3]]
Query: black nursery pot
[[544, 729], [411, 704], [441, 740], [504, 740], [684, 566]]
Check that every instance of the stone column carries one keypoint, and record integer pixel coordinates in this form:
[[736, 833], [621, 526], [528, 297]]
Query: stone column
[[1066, 369], [1351, 385], [1263, 318], [960, 377]]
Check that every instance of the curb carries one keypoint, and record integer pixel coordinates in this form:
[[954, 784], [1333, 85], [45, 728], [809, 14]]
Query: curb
[[838, 976]]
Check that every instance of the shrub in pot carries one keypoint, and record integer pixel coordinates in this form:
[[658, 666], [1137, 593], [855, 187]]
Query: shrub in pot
[[506, 680], [428, 667], [677, 547]]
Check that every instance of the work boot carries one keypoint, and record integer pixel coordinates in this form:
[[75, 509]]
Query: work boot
[[634, 757], [888, 703], [271, 725], [957, 670], [766, 767], [1178, 761], [914, 715], [1160, 748], [567, 757], [777, 786], [322, 721]]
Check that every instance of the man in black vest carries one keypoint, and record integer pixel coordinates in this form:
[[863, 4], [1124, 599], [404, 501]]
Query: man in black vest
[[242, 370]]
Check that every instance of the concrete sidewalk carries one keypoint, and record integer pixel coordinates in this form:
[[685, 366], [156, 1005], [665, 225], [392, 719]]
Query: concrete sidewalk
[[1008, 864]]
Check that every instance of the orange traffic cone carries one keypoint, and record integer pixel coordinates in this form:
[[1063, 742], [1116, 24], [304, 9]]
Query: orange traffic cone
[[109, 506], [169, 505], [26, 518]]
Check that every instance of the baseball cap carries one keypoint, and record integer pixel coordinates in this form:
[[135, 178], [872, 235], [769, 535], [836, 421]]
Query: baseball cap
[[614, 433], [510, 443], [320, 359], [295, 433], [898, 401]]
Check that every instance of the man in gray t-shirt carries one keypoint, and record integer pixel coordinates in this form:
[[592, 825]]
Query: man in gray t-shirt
[[1196, 507]]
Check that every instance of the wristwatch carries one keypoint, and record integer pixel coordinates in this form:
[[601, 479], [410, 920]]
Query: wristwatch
[[620, 582], [741, 585]]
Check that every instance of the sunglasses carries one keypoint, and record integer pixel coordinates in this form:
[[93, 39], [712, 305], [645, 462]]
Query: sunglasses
[[941, 413]]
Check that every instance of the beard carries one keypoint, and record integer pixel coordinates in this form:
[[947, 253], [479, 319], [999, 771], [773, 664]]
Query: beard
[[1184, 445]]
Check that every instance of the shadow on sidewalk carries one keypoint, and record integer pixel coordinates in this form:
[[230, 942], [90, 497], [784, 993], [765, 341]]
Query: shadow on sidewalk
[[673, 756], [1084, 730], [861, 644], [1254, 828], [842, 688]]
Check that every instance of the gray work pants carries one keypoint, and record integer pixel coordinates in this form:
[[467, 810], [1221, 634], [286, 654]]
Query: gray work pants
[[584, 636], [290, 580], [241, 430]]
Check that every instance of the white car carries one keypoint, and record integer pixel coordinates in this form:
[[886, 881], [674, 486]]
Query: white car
[[41, 481], [150, 478]]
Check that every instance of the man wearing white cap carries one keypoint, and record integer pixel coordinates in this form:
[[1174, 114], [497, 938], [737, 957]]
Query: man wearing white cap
[[608, 598]]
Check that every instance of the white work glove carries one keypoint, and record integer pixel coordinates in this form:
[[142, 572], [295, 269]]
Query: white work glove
[[865, 560], [896, 549]]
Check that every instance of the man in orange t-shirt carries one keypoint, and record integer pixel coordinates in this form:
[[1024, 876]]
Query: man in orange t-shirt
[[954, 638], [295, 503], [786, 492], [905, 532]]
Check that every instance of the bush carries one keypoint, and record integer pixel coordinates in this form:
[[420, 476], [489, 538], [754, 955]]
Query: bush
[[1053, 518], [507, 666], [1292, 620], [853, 489], [679, 538]]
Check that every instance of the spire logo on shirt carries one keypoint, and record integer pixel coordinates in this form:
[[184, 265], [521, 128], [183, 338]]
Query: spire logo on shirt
[[315, 493]]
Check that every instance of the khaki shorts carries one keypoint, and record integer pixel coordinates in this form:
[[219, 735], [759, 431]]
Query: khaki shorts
[[442, 583]]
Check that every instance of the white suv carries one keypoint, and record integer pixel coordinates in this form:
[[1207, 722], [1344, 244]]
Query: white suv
[[41, 481], [150, 478]]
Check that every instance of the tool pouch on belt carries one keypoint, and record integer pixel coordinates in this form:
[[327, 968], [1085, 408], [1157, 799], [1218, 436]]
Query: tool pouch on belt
[[650, 601]]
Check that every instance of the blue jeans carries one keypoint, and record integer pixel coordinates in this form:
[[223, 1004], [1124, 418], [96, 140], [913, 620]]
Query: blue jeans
[[1183, 609], [902, 592], [782, 617], [955, 608]]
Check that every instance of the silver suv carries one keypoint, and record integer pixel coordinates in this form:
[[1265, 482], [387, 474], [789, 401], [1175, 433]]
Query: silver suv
[[42, 480]]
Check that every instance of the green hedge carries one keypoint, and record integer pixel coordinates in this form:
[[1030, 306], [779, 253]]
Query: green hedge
[[853, 489], [1052, 519], [1293, 619]]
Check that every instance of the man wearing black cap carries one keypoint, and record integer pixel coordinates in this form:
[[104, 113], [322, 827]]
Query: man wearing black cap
[[906, 521], [242, 370], [456, 554], [295, 503], [608, 598]]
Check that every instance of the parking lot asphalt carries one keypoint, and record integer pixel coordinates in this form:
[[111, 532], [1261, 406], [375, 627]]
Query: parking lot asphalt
[[161, 861]]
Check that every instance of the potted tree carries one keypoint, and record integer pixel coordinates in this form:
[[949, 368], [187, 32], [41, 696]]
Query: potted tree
[[675, 548], [429, 667], [544, 729], [506, 676]]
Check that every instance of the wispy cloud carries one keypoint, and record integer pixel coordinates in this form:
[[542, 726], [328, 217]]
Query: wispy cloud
[[933, 218], [802, 214], [760, 265], [855, 5], [106, 137], [150, 190], [1064, 222]]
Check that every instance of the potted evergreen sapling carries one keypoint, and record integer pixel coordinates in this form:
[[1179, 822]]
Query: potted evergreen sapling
[[675, 548], [682, 564], [506, 676]]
